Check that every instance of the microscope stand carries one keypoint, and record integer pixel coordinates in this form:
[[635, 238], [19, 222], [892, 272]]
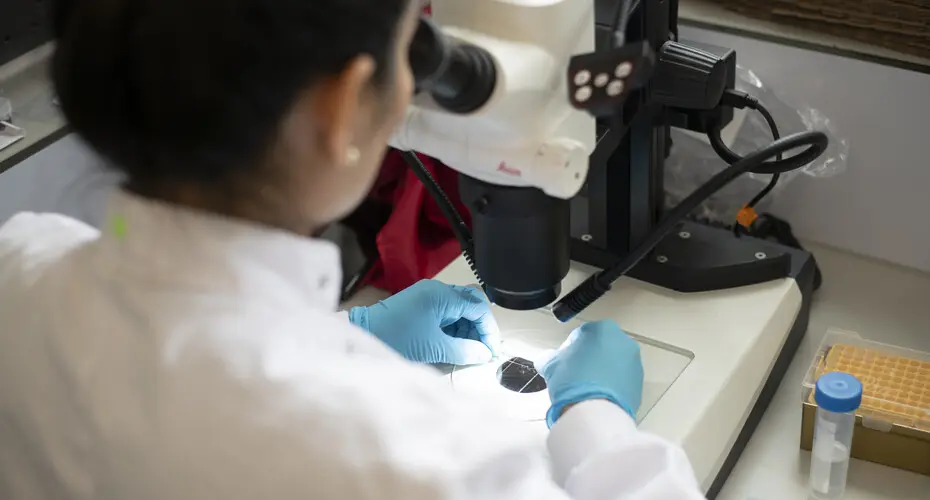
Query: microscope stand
[[713, 359]]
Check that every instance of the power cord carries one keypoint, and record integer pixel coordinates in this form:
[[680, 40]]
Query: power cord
[[621, 17], [736, 98], [576, 301], [600, 283], [741, 100]]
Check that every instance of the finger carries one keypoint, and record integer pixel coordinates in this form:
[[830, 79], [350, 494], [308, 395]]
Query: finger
[[479, 331], [464, 352], [545, 359], [489, 333], [573, 337], [542, 360], [467, 303], [602, 327], [462, 302], [595, 329]]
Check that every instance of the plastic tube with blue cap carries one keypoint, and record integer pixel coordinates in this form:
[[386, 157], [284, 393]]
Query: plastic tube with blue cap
[[838, 396]]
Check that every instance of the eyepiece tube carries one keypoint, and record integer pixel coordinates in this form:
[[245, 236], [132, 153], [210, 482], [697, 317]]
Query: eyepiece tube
[[460, 77], [429, 55]]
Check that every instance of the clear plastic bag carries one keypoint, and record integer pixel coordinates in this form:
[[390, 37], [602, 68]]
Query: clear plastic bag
[[693, 162]]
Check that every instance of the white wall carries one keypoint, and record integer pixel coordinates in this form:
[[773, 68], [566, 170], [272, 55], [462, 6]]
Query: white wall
[[879, 206], [65, 177]]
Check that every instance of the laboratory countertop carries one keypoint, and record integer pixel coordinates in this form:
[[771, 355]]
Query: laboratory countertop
[[879, 301]]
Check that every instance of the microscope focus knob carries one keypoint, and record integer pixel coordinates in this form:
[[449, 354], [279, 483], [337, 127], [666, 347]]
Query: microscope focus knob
[[688, 77], [560, 167]]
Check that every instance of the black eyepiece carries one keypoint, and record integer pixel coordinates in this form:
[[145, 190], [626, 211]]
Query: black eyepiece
[[460, 77]]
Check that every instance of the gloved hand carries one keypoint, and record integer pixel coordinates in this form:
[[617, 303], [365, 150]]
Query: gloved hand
[[432, 322], [598, 361]]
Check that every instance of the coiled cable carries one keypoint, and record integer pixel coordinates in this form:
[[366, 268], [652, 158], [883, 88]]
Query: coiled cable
[[460, 230], [600, 283]]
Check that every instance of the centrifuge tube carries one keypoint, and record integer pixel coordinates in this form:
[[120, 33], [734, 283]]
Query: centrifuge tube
[[838, 396]]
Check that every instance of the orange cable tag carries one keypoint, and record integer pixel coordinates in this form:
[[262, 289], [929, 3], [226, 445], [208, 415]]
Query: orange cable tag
[[746, 216]]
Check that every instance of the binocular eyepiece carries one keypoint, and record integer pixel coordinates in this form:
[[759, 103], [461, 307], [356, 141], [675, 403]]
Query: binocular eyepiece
[[460, 77], [520, 234]]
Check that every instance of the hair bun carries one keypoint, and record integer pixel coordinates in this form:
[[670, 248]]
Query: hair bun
[[61, 13]]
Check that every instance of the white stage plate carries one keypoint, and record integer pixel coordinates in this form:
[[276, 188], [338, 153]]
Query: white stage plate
[[532, 335]]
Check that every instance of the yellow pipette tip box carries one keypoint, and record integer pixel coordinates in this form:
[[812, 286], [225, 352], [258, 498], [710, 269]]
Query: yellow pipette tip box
[[893, 422]]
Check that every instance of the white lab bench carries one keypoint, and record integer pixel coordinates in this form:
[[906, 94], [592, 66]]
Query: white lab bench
[[880, 301]]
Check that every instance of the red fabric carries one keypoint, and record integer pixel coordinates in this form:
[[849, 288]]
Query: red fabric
[[416, 242]]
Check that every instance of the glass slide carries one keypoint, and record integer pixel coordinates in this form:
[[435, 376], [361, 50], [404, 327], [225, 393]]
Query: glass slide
[[513, 385]]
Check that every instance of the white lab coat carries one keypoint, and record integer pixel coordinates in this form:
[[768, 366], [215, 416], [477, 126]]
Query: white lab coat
[[177, 355]]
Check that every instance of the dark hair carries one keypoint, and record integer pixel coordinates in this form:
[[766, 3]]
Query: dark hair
[[195, 90]]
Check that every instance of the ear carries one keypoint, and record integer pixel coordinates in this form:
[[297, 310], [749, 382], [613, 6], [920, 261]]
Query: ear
[[339, 103]]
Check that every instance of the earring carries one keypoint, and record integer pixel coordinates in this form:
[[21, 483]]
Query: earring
[[352, 155]]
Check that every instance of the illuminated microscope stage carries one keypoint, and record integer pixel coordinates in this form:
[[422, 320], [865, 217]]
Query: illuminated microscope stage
[[706, 357], [525, 397]]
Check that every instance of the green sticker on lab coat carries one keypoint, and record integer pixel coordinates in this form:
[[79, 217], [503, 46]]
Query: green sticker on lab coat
[[118, 226]]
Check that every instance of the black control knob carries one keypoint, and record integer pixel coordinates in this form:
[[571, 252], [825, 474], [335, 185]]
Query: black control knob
[[688, 78]]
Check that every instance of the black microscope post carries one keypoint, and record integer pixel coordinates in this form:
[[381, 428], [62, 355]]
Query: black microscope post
[[623, 198]]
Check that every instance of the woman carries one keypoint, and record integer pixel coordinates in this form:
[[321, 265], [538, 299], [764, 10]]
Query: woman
[[190, 350]]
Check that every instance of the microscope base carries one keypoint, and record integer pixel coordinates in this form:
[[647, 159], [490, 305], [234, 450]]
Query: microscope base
[[713, 359]]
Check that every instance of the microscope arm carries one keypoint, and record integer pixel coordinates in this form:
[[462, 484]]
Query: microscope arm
[[507, 95], [525, 133]]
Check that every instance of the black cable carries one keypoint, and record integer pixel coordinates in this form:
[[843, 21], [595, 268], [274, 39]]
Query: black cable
[[621, 18], [765, 191], [773, 127], [599, 283], [754, 104], [738, 228], [737, 99], [459, 228]]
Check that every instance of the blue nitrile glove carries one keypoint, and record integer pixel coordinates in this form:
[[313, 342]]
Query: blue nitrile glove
[[598, 361], [432, 322]]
